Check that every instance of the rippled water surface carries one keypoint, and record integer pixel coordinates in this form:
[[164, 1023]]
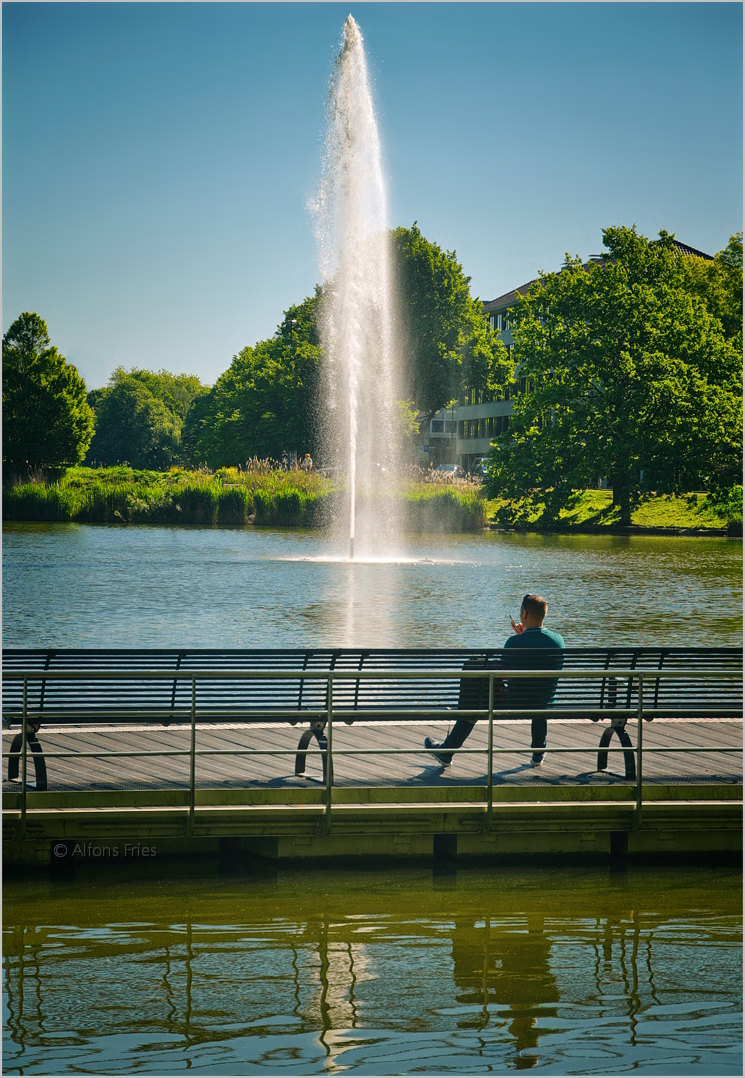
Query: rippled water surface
[[380, 973], [568, 971], [71, 585]]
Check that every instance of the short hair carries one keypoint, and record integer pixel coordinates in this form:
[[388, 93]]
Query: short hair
[[535, 606]]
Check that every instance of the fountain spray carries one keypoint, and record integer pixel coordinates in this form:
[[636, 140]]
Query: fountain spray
[[355, 319]]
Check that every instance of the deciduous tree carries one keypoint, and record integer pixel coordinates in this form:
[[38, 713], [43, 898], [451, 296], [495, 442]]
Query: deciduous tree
[[629, 375], [46, 417], [445, 341], [265, 402], [139, 417]]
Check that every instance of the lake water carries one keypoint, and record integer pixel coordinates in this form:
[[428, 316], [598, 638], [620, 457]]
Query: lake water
[[70, 585], [385, 972], [563, 971]]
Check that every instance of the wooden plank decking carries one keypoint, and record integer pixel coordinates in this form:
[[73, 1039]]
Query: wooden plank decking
[[416, 768]]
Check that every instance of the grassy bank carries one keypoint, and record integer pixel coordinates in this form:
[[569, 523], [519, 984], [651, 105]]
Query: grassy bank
[[589, 509], [261, 495], [127, 496]]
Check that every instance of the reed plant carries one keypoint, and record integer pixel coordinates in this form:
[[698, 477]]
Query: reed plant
[[260, 493]]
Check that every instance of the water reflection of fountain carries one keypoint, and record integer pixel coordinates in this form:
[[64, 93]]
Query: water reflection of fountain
[[355, 317]]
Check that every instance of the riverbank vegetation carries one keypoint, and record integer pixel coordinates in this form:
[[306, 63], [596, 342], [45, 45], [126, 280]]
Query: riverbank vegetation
[[262, 493], [265, 494]]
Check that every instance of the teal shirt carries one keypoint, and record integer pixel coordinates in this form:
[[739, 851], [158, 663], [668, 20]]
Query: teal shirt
[[533, 649]]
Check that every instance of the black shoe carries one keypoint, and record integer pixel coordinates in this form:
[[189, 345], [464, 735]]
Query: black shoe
[[443, 758]]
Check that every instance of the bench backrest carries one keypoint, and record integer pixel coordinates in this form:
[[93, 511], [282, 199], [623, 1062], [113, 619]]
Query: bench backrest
[[51, 701]]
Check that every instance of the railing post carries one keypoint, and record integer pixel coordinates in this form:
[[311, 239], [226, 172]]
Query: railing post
[[24, 739], [193, 754], [639, 724], [490, 756], [329, 758]]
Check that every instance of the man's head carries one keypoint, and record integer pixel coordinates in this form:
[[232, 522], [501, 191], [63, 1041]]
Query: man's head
[[533, 611]]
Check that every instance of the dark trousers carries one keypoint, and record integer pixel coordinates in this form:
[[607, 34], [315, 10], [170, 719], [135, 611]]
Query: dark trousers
[[463, 727]]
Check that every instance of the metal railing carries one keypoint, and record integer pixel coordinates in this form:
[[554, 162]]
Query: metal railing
[[330, 714]]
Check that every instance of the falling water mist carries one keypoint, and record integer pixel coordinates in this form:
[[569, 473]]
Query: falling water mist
[[359, 410]]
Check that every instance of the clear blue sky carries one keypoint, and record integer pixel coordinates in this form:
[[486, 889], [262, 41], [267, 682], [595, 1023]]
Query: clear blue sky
[[158, 158]]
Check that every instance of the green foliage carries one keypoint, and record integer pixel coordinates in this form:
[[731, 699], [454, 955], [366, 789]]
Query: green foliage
[[139, 416], [719, 285], [177, 391], [46, 418], [446, 342], [628, 374], [431, 508], [127, 495], [587, 510], [727, 504], [265, 402], [262, 495]]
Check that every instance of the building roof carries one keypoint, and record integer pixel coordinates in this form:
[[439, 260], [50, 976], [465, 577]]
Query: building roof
[[509, 298], [691, 251]]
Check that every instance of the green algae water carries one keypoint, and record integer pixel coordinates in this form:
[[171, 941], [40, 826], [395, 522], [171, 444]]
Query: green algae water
[[387, 972]]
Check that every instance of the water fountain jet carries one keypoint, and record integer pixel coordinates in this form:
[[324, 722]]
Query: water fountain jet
[[355, 319]]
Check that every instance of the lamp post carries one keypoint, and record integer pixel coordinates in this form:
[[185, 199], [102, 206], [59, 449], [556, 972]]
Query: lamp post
[[293, 322]]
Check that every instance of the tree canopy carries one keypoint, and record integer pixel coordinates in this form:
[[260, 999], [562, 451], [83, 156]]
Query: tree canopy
[[46, 417], [139, 417], [719, 284], [633, 370], [446, 342], [265, 402]]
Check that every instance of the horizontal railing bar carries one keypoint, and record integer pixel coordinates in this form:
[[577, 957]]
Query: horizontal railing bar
[[447, 752], [295, 718], [178, 752], [363, 752], [355, 675]]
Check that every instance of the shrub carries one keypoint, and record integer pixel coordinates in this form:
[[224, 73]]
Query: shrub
[[198, 505], [233, 506], [289, 507]]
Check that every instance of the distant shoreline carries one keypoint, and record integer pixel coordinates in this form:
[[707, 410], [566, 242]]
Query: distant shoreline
[[265, 495], [609, 529]]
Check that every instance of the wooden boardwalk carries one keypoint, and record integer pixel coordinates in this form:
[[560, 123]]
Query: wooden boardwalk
[[415, 767]]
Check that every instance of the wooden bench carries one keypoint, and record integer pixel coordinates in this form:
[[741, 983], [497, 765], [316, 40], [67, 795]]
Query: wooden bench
[[58, 700]]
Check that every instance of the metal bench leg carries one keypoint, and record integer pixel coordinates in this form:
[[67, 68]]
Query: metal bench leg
[[625, 740], [302, 745], [628, 757], [315, 731], [323, 746], [604, 743], [37, 755]]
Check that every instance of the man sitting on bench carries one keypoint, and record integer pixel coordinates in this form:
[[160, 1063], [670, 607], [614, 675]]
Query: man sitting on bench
[[531, 648]]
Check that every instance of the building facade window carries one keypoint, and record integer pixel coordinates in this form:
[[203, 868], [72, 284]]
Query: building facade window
[[437, 426]]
